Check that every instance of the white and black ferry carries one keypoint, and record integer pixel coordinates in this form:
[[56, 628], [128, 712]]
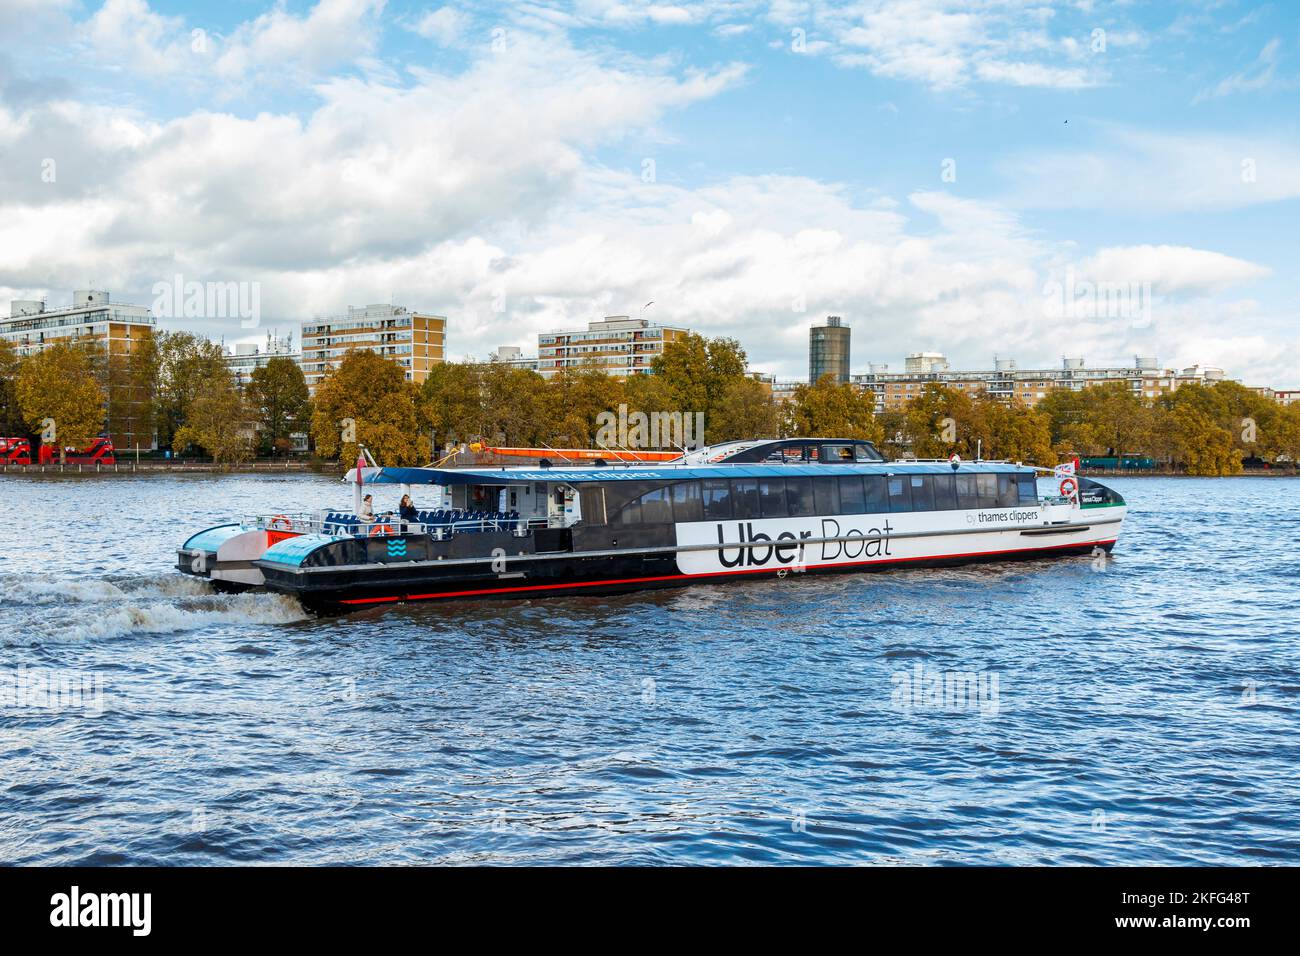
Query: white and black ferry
[[729, 512]]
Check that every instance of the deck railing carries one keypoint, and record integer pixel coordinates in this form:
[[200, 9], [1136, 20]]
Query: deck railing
[[320, 523]]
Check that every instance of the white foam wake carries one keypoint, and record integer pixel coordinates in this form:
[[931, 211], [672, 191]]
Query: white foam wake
[[128, 619], [32, 590]]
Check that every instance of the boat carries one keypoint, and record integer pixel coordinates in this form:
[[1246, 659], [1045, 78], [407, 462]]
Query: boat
[[729, 512]]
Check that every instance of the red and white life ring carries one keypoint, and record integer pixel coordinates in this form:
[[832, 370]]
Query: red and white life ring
[[380, 529], [281, 523], [1068, 487]]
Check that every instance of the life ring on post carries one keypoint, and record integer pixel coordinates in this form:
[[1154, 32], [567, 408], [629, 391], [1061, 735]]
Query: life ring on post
[[380, 529], [281, 523], [1068, 487]]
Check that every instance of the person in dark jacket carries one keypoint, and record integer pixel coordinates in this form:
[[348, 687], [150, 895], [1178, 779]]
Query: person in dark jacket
[[406, 510]]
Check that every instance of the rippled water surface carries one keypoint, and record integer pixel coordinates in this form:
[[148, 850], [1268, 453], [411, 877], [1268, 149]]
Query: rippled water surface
[[1145, 709]]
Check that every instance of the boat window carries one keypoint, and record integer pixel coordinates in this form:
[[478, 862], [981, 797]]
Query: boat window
[[1008, 495], [630, 513], [876, 493], [1027, 486], [900, 493], [717, 499], [686, 501], [922, 493], [592, 499], [837, 453], [771, 498], [988, 485], [852, 501], [826, 495], [968, 492], [867, 453], [945, 492], [656, 507], [799, 495], [787, 453], [744, 498]]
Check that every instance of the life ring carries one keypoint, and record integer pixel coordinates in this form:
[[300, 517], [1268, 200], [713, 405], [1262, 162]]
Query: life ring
[[380, 529], [1068, 487], [281, 523]]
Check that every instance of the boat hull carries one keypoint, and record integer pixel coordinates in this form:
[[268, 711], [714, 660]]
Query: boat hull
[[330, 590]]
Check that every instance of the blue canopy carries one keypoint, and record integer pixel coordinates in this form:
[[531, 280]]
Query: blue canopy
[[574, 476]]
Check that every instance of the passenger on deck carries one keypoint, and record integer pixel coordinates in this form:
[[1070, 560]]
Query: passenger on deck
[[367, 512], [406, 509]]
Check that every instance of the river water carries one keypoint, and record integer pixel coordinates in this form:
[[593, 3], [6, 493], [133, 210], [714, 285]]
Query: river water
[[1140, 710]]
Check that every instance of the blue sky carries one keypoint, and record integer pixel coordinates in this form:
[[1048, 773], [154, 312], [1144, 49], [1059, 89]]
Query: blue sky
[[928, 169]]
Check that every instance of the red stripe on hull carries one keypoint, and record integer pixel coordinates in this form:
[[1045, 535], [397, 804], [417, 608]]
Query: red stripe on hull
[[710, 574]]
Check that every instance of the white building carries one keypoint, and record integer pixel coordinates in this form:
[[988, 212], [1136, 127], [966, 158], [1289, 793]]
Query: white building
[[247, 357], [31, 325], [513, 356]]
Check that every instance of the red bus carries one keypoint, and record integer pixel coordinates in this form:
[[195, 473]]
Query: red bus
[[18, 451]]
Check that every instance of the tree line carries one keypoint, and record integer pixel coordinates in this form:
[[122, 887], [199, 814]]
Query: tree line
[[172, 386], [176, 386], [1199, 429]]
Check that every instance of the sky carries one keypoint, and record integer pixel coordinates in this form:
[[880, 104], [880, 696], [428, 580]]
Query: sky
[[1026, 180]]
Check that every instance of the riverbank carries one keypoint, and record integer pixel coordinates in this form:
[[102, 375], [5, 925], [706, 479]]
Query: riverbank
[[169, 468], [1102, 474]]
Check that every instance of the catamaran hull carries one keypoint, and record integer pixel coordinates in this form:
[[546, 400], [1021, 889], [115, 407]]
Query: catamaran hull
[[348, 588]]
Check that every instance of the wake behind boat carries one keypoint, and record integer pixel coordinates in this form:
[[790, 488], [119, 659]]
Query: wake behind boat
[[727, 512]]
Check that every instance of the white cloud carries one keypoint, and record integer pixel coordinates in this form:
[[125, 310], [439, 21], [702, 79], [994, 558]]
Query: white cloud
[[446, 25], [448, 192], [947, 44], [128, 34], [1256, 77], [1171, 269], [1132, 170], [333, 32]]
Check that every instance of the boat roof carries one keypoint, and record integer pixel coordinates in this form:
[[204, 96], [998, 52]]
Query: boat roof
[[577, 476]]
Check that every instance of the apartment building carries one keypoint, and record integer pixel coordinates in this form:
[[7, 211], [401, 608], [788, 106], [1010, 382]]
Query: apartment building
[[619, 345], [413, 340], [1006, 380], [117, 329]]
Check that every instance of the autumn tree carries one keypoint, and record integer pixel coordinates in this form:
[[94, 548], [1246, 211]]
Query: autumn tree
[[574, 397], [366, 400], [277, 393], [1013, 431], [1203, 446], [832, 409], [185, 364], [131, 380], [12, 420], [59, 384], [699, 374], [509, 399], [745, 409], [218, 422], [944, 421]]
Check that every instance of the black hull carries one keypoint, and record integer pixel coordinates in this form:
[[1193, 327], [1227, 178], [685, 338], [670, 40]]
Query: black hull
[[329, 590]]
